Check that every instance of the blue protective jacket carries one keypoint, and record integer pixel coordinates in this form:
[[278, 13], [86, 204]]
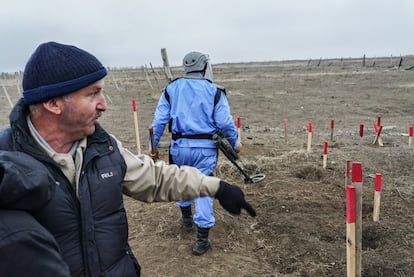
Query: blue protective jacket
[[91, 229], [188, 105]]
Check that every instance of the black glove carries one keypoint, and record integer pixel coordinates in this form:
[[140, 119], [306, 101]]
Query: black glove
[[231, 197]]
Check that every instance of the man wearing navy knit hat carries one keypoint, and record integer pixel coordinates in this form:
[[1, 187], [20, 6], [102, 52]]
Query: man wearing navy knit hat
[[57, 123], [46, 77]]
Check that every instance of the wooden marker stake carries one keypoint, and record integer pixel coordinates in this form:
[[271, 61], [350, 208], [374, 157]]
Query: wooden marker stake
[[357, 183], [410, 136], [332, 129], [309, 136], [325, 154], [134, 108], [378, 129], [285, 126], [7, 96], [347, 172], [350, 231], [377, 197], [377, 138]]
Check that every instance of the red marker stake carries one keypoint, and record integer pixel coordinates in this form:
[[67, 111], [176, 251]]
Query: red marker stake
[[239, 128], [377, 197], [361, 133], [325, 154], [285, 126], [134, 109], [309, 136], [350, 231], [357, 183], [410, 136], [332, 129]]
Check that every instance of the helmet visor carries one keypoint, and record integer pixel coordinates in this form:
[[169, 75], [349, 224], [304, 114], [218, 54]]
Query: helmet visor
[[209, 70]]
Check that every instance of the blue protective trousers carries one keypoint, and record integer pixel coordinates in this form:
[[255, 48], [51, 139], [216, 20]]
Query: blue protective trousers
[[204, 159]]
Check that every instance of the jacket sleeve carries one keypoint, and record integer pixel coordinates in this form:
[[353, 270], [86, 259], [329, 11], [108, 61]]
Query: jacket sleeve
[[27, 249], [161, 118], [225, 122], [150, 181], [25, 183]]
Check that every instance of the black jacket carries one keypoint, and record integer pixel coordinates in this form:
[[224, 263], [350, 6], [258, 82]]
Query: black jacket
[[91, 229], [26, 247]]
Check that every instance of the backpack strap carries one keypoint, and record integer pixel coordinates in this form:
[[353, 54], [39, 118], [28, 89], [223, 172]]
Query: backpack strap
[[217, 96], [220, 90]]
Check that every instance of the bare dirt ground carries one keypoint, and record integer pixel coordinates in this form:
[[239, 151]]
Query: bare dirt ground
[[300, 225]]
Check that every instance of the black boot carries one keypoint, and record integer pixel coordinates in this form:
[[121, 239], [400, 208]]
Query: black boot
[[202, 243], [186, 218]]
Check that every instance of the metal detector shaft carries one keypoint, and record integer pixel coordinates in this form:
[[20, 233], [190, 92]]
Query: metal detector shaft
[[233, 156], [233, 161]]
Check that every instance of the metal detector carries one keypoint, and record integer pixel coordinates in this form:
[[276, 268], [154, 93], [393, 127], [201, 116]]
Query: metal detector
[[228, 151]]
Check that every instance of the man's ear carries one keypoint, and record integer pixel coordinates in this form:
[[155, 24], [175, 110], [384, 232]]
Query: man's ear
[[53, 105]]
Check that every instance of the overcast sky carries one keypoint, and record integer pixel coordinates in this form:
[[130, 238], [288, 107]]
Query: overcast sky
[[132, 32]]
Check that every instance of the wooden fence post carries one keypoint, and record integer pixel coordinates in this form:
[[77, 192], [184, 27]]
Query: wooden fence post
[[167, 69]]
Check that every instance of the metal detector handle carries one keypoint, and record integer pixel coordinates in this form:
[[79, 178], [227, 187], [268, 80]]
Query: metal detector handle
[[151, 135], [154, 151], [227, 150]]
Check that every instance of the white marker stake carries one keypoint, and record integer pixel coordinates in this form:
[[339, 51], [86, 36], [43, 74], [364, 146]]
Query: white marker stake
[[309, 136], [377, 197], [134, 108], [325, 153]]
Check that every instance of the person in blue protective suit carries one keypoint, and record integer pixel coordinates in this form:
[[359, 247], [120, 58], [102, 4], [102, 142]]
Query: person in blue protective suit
[[195, 109], [57, 122], [26, 247]]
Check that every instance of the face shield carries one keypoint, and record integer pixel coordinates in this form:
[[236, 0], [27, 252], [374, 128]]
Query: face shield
[[209, 70]]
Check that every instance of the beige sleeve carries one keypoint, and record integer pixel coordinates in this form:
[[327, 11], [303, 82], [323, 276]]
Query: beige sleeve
[[150, 181]]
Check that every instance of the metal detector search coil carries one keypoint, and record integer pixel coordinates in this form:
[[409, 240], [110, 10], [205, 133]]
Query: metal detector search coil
[[230, 154]]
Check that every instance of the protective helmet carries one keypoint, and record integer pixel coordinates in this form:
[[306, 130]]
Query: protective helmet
[[195, 61]]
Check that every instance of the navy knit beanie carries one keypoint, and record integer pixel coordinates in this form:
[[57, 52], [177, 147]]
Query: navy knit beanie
[[56, 69]]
